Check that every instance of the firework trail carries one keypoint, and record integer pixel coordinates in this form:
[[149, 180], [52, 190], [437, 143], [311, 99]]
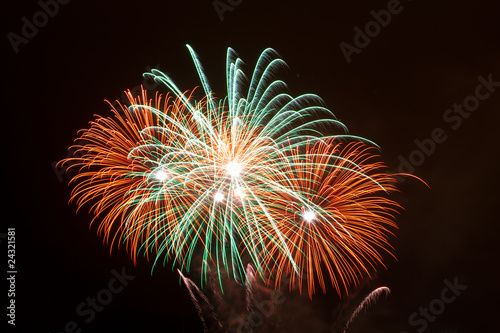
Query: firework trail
[[253, 178], [214, 288], [369, 300], [192, 288], [249, 287]]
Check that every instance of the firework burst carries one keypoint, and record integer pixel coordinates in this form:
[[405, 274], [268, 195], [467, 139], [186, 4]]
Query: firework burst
[[255, 177], [339, 223]]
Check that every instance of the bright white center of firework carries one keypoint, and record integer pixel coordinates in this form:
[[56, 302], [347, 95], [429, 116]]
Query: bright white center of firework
[[239, 191], [234, 169], [218, 197], [309, 216], [161, 175]]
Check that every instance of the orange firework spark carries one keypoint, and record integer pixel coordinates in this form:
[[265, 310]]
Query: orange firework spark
[[340, 221], [120, 181]]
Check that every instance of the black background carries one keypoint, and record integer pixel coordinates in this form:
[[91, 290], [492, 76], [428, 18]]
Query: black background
[[394, 91]]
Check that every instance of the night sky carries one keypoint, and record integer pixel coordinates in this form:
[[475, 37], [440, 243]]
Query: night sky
[[401, 88]]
